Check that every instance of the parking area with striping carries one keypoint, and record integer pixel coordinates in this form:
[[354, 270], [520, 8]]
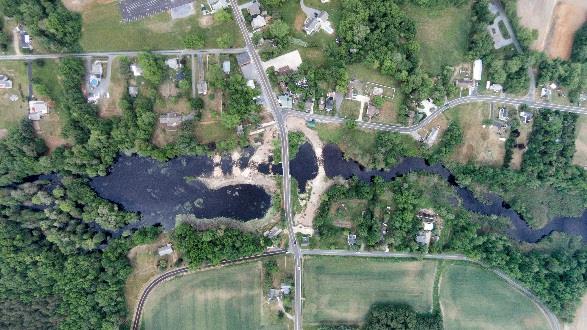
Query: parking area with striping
[[133, 10]]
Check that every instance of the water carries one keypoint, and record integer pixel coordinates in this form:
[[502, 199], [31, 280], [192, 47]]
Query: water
[[304, 167], [336, 165], [160, 191]]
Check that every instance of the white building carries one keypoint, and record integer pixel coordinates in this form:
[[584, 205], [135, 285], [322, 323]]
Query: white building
[[258, 22], [477, 70], [37, 109], [165, 250], [136, 70]]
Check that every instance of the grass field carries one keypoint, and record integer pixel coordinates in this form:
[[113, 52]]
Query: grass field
[[473, 298], [225, 298], [581, 143], [350, 109], [356, 144], [12, 112], [103, 30], [442, 34], [338, 289]]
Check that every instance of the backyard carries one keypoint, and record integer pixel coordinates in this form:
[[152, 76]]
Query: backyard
[[103, 30], [11, 112], [581, 142]]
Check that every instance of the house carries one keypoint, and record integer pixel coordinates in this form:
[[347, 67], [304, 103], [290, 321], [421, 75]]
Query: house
[[258, 22], [503, 114], [96, 74], [351, 239], [202, 87], [5, 83], [309, 105], [173, 63], [285, 289], [372, 111], [274, 232], [254, 9], [251, 83], [477, 69], [465, 83], [428, 225], [136, 70], [423, 237], [37, 109], [226, 67], [216, 5], [25, 40], [273, 294], [170, 119], [243, 59], [317, 22], [285, 101], [497, 88], [545, 92], [165, 250], [329, 104], [526, 116], [133, 91]]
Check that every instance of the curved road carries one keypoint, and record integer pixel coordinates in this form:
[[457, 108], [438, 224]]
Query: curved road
[[440, 110], [552, 319], [136, 323]]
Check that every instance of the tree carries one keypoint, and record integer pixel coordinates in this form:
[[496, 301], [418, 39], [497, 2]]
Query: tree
[[193, 41], [153, 67], [222, 16], [279, 32], [384, 316], [377, 101], [224, 41], [579, 53]]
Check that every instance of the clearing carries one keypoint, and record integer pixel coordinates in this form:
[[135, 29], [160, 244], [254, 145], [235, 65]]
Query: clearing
[[356, 144], [442, 35], [222, 298], [481, 143], [556, 22], [474, 298], [342, 289], [581, 143], [580, 321], [103, 30], [11, 112]]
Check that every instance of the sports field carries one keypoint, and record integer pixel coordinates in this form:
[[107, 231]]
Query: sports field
[[224, 298], [341, 289], [473, 298]]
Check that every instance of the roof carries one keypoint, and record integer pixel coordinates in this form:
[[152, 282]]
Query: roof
[[170, 119], [243, 59], [25, 40], [202, 87], [428, 225], [251, 83], [254, 9], [477, 69], [173, 63], [5, 82], [97, 68], [226, 67], [329, 103], [133, 91], [351, 239], [37, 109], [258, 22], [165, 250], [136, 70], [285, 101], [218, 4]]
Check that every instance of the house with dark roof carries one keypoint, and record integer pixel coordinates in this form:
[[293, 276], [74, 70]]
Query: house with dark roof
[[243, 59]]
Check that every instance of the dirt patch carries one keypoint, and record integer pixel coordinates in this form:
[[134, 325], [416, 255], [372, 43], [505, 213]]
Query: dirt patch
[[556, 22], [580, 157], [580, 321], [299, 22], [518, 155], [80, 5], [49, 129], [206, 21]]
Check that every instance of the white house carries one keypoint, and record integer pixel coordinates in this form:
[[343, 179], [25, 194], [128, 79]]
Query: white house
[[258, 22], [37, 109], [477, 69], [136, 70]]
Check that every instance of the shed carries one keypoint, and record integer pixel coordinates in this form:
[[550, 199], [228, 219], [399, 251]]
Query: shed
[[37, 109], [477, 69], [5, 83], [165, 250], [226, 67]]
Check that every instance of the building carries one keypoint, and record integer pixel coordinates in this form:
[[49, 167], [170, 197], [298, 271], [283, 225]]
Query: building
[[329, 104], [274, 232], [133, 91], [226, 67], [170, 119], [136, 70], [251, 83], [173, 63], [285, 101], [372, 111], [243, 59], [429, 226], [477, 70], [318, 21], [285, 289], [423, 237], [503, 114], [526, 116], [5, 83], [37, 109], [351, 239], [258, 22], [25, 40], [216, 5], [254, 9], [497, 88], [96, 74], [165, 250], [202, 87]]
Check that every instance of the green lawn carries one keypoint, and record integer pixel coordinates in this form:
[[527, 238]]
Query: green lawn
[[103, 30], [341, 289], [350, 109], [442, 34], [12, 112], [225, 298], [213, 132], [356, 144], [474, 298]]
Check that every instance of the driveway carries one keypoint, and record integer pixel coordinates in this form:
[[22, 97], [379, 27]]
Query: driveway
[[310, 12]]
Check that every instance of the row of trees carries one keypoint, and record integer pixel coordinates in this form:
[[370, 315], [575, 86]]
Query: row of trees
[[215, 245], [48, 20]]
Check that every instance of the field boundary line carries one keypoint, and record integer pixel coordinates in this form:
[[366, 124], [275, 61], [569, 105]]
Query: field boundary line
[[171, 274]]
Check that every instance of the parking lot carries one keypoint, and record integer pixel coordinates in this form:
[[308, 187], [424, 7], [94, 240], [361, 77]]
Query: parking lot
[[133, 10]]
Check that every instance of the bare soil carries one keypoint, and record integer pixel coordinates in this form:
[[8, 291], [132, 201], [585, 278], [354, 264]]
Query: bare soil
[[80, 5], [580, 321], [299, 22], [206, 21], [556, 22]]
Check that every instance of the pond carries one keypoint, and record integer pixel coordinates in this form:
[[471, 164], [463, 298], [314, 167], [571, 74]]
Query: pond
[[160, 191], [336, 165]]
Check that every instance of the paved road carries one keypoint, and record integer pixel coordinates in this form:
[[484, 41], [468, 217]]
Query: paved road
[[271, 101], [123, 53], [440, 110], [552, 319], [136, 323]]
